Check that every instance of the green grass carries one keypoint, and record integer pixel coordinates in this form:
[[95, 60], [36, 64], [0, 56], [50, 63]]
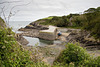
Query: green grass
[[48, 18]]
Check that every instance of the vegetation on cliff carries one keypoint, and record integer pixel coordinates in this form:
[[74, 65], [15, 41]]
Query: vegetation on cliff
[[11, 53], [89, 21], [76, 56]]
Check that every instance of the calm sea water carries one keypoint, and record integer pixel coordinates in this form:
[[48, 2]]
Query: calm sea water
[[32, 41], [18, 24]]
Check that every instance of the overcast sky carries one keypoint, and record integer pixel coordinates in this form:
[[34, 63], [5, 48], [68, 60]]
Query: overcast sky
[[43, 8]]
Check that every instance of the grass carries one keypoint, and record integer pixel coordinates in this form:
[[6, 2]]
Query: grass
[[48, 17]]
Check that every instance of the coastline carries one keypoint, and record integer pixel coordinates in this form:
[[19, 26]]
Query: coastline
[[69, 35]]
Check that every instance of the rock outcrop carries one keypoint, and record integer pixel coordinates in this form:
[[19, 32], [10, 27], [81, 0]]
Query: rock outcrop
[[82, 37], [21, 39]]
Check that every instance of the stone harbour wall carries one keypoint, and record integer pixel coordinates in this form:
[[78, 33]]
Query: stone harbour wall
[[47, 35]]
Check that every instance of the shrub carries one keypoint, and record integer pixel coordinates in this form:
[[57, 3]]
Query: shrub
[[93, 62], [74, 54], [12, 54]]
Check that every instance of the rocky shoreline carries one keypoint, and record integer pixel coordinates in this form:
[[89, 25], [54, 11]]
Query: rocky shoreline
[[68, 36], [29, 32], [32, 30], [76, 35]]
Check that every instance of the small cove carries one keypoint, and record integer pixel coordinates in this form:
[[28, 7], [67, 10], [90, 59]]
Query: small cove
[[32, 41]]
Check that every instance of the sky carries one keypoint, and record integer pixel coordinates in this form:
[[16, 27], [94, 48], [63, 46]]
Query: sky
[[31, 10]]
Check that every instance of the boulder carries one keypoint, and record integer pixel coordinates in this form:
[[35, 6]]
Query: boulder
[[21, 39]]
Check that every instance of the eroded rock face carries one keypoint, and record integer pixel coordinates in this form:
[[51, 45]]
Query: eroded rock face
[[81, 37], [21, 39], [35, 25], [39, 27], [30, 27], [30, 32]]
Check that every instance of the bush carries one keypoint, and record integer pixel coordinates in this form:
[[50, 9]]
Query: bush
[[93, 62], [92, 24], [73, 54], [76, 56], [12, 54]]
